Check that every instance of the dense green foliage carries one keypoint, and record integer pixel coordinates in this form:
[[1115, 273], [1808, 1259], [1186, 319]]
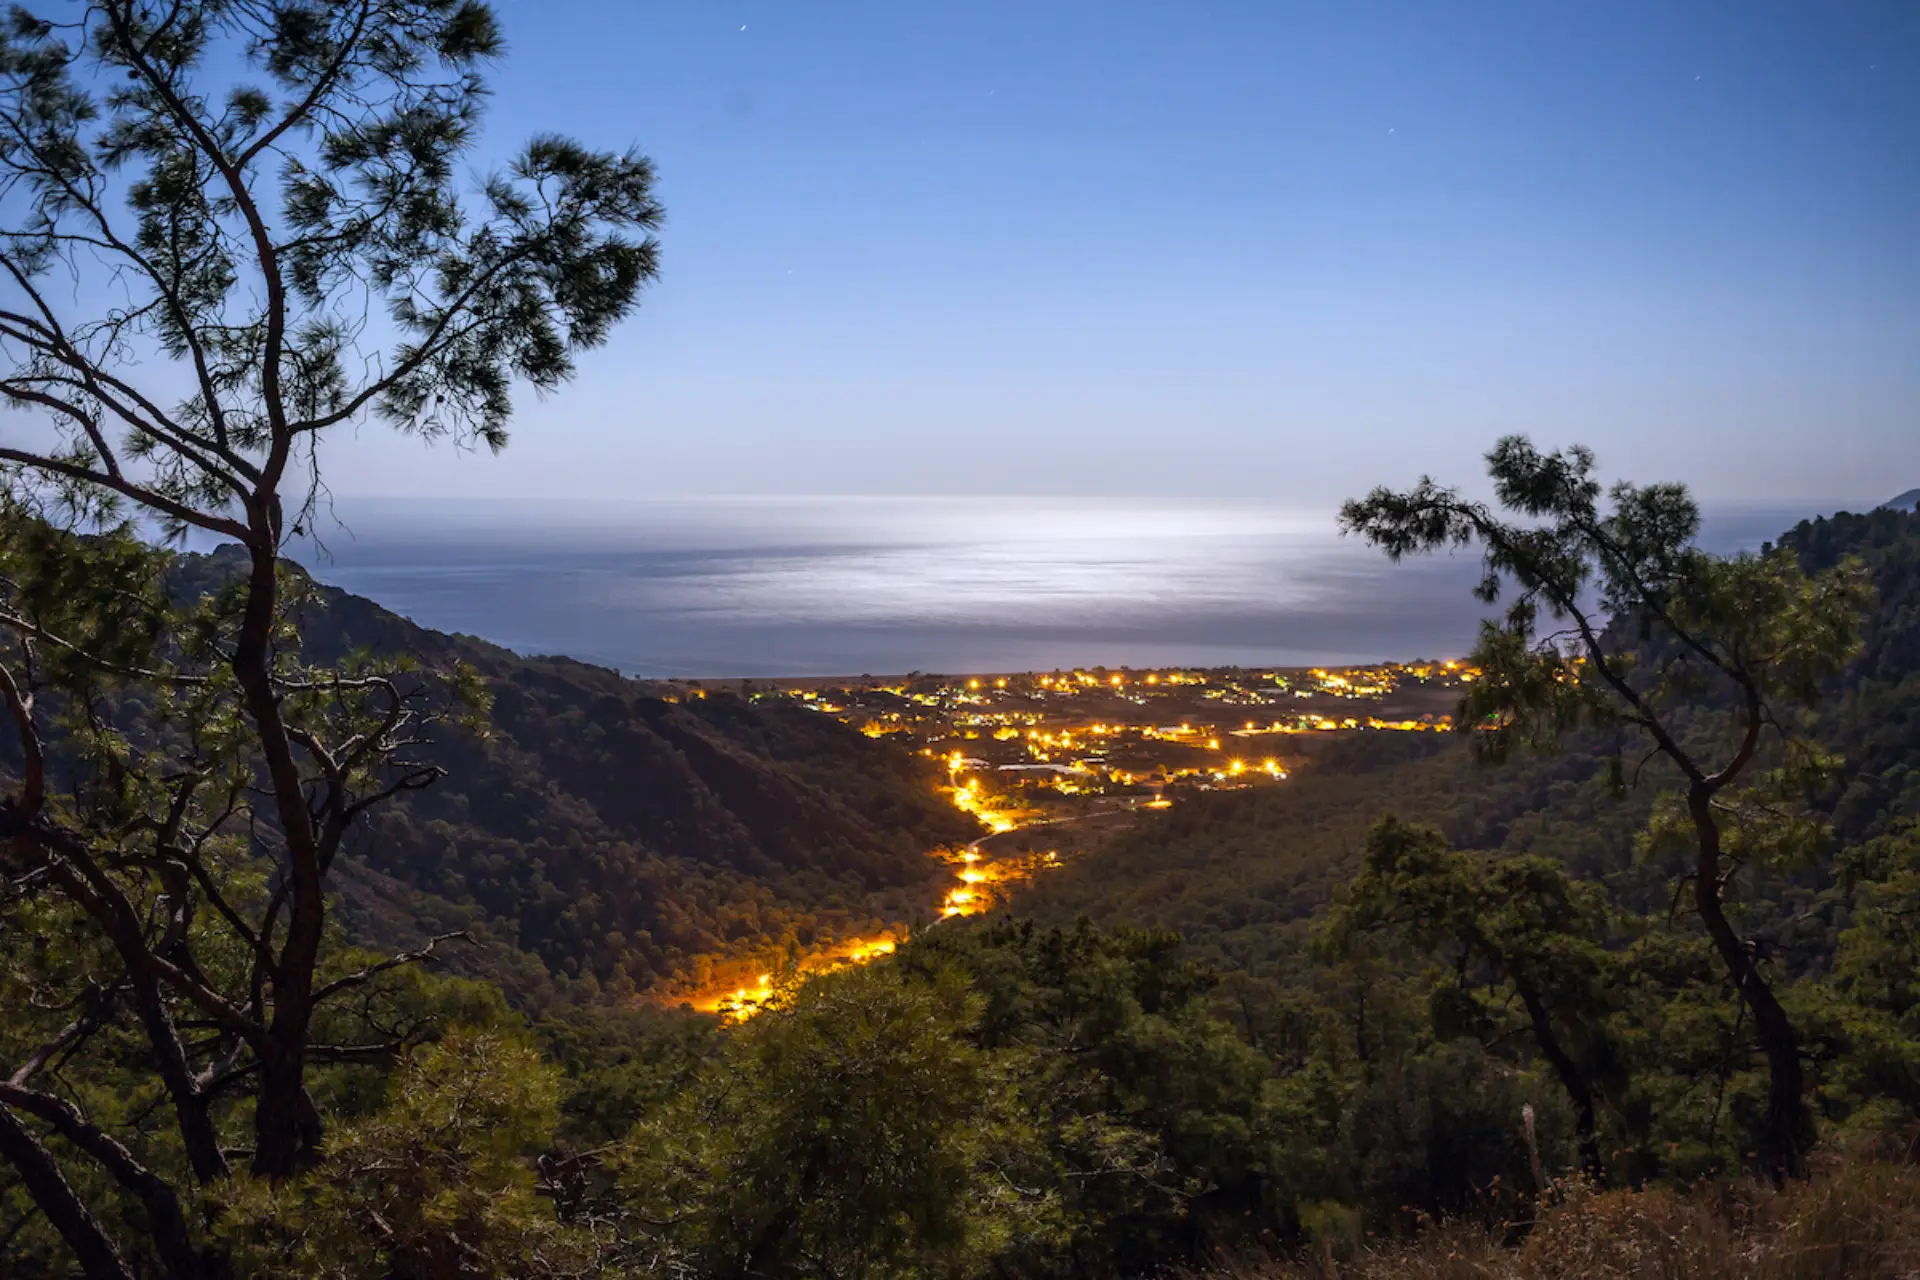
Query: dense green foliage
[[1407, 987], [1422, 948]]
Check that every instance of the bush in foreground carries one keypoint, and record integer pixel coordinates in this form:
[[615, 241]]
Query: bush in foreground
[[1858, 1219]]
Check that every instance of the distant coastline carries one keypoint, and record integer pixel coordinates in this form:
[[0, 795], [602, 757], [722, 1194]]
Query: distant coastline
[[812, 588]]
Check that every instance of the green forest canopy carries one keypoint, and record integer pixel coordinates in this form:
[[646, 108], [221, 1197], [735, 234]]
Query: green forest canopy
[[1339, 1037]]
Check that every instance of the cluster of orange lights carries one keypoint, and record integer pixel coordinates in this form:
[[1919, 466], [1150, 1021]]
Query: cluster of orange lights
[[1084, 680], [971, 894], [969, 798], [735, 1003], [973, 889]]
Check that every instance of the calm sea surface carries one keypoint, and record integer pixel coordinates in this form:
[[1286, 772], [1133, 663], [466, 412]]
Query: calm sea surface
[[843, 586]]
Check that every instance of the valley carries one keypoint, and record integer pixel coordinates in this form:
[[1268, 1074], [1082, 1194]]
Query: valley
[[1053, 763], [417, 867]]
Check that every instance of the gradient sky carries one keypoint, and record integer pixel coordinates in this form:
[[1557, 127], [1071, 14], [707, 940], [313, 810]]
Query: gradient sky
[[1258, 249]]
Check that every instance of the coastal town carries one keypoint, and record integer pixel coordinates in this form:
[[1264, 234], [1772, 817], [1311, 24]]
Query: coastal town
[[1021, 747], [1050, 761]]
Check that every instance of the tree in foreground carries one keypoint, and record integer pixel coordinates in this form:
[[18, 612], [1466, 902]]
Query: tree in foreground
[[849, 1135], [231, 229], [434, 1184], [1523, 924], [1708, 660]]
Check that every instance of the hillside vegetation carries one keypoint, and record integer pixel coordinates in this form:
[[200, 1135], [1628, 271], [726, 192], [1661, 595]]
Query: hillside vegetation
[[626, 840], [1422, 1016], [1236, 873], [592, 834], [1860, 1221], [1416, 1012]]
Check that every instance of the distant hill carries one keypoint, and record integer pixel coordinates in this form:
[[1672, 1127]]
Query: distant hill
[[1906, 501], [616, 836]]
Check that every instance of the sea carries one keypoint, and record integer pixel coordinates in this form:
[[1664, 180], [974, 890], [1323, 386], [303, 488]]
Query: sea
[[824, 586]]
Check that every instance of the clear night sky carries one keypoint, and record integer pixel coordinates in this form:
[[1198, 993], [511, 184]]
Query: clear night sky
[[1258, 249]]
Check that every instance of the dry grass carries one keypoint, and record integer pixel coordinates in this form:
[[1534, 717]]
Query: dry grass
[[1857, 1220]]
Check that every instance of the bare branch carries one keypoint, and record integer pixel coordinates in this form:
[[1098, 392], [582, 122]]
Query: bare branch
[[127, 489], [99, 1258], [22, 626], [425, 953], [168, 1222], [33, 787]]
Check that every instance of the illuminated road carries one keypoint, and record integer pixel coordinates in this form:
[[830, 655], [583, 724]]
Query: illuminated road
[[974, 892]]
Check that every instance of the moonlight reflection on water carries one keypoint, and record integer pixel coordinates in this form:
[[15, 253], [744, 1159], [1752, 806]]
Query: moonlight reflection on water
[[841, 586]]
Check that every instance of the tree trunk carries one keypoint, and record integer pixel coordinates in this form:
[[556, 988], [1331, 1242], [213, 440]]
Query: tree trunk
[[83, 881], [190, 1107], [1572, 1079], [286, 1124], [1782, 1155], [166, 1222], [55, 1197]]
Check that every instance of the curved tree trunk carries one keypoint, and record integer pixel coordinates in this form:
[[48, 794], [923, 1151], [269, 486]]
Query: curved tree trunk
[[99, 1258], [1782, 1154], [1572, 1079], [286, 1124], [166, 1220]]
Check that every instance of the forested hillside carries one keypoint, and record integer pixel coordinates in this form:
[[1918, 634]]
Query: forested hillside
[[1239, 873], [1407, 986], [625, 839], [1872, 718], [618, 838]]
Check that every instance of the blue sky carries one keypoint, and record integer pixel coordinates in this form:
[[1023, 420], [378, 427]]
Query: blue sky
[[1266, 250]]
